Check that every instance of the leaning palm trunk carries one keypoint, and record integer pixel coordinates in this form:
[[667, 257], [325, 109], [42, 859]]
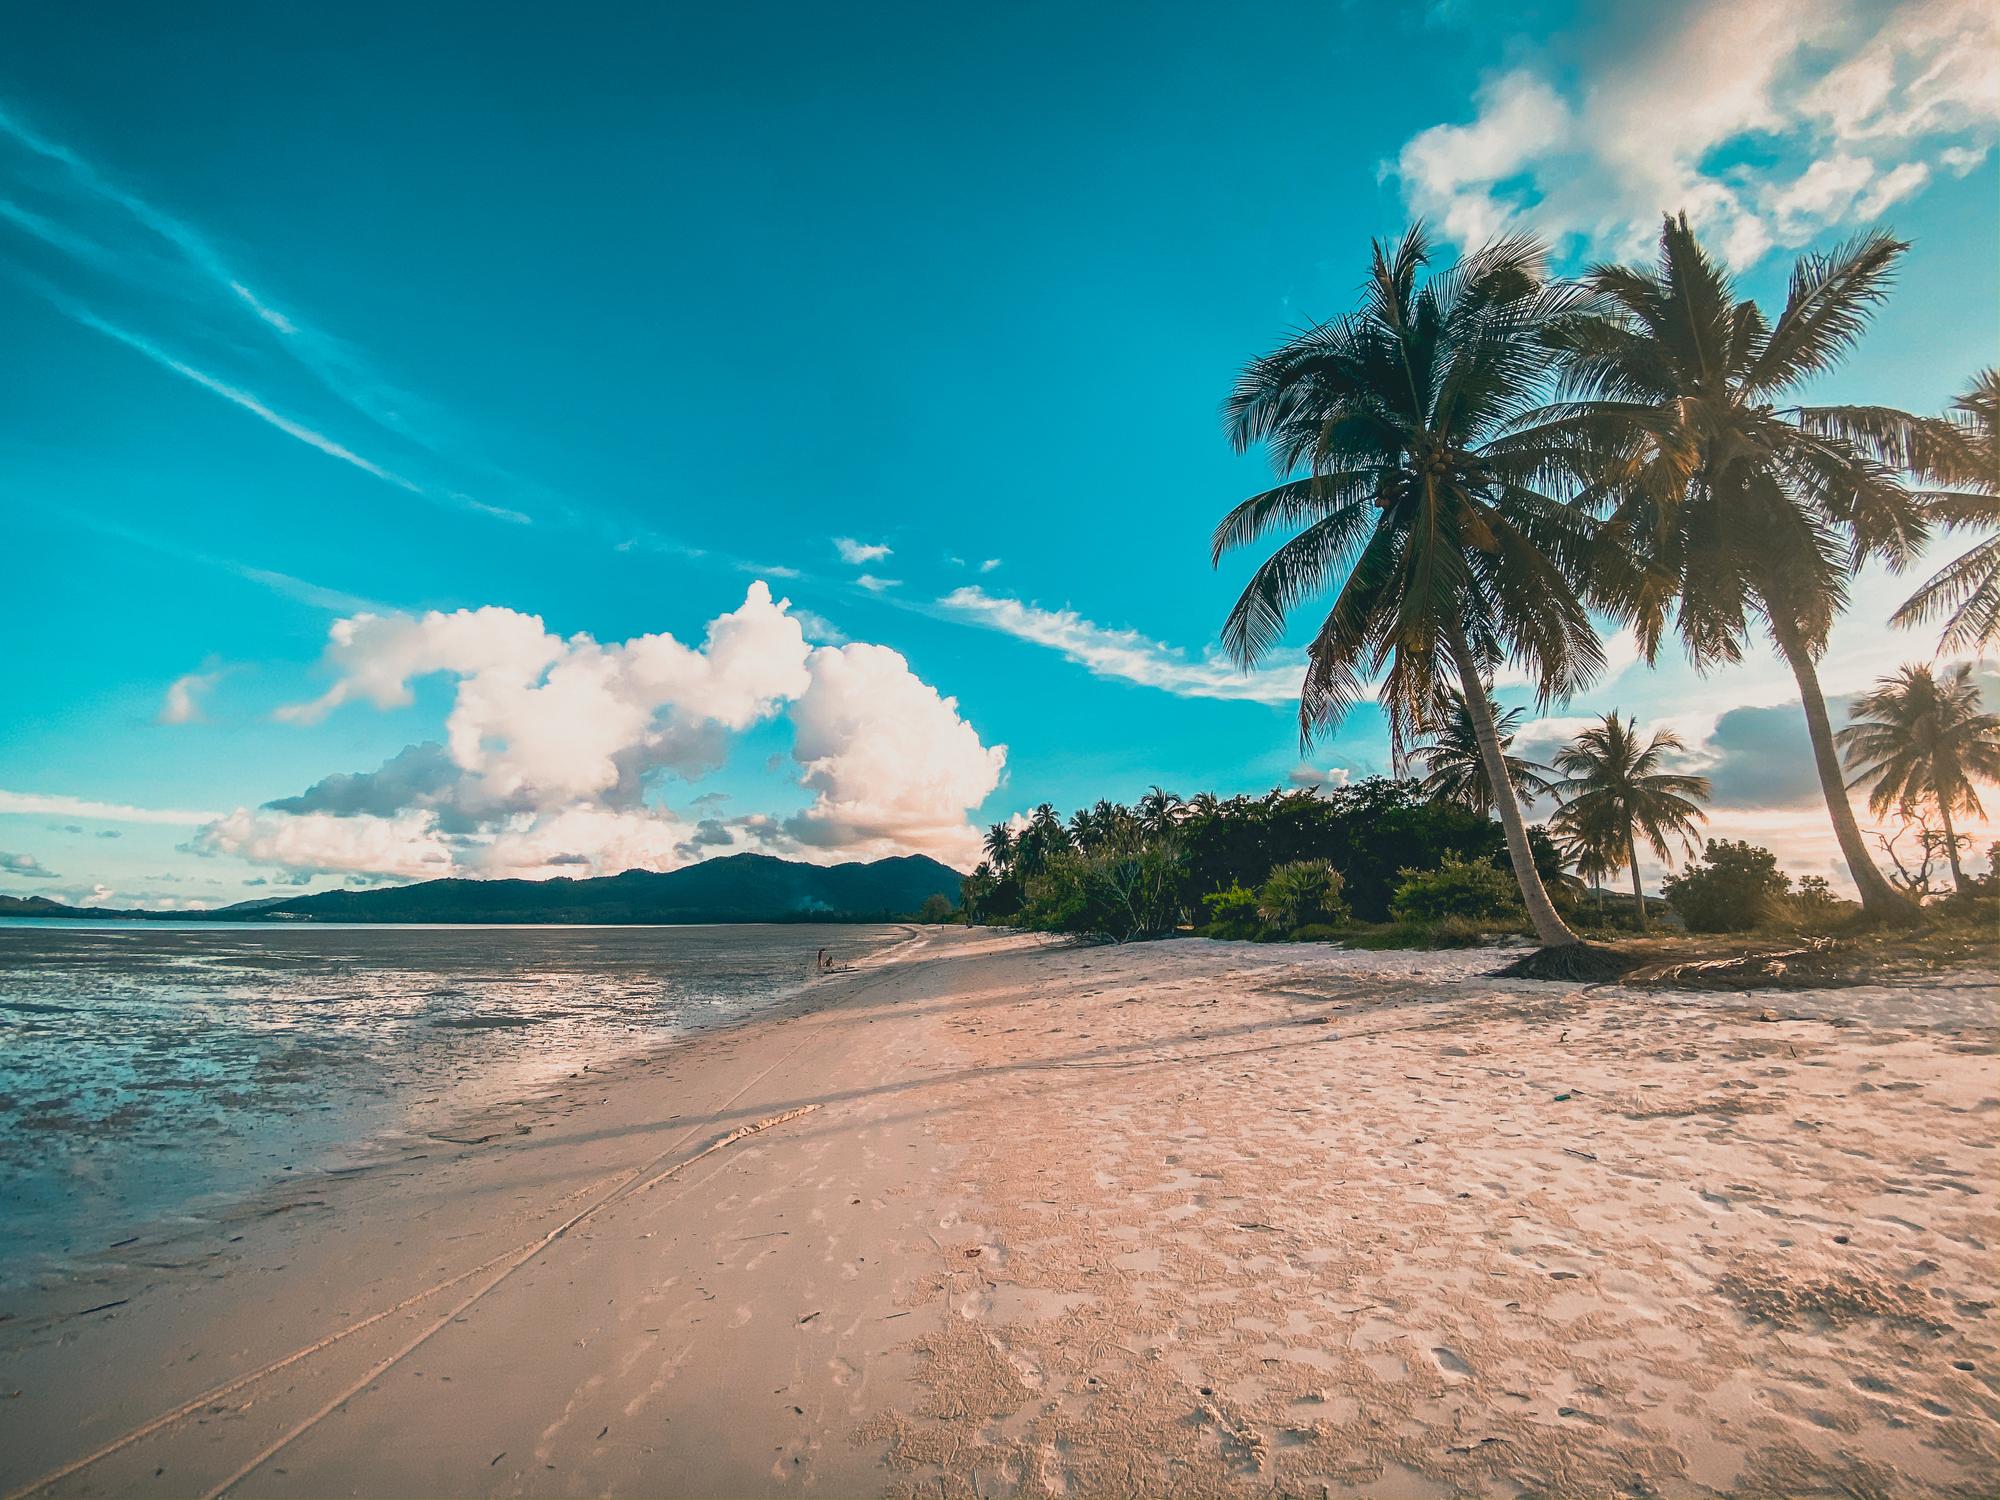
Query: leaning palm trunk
[[1549, 925], [1878, 898], [1638, 890], [1951, 848]]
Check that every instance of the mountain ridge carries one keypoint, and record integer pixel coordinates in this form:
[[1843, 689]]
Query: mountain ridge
[[733, 888]]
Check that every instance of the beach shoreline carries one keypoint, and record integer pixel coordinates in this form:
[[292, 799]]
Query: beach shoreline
[[1007, 1215]]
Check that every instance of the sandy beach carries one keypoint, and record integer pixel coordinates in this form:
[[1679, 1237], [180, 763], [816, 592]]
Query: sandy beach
[[999, 1215]]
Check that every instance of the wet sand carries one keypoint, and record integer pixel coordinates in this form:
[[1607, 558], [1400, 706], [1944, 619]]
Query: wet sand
[[1013, 1217]]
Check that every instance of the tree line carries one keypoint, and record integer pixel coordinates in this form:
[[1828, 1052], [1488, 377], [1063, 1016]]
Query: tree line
[[1480, 460]]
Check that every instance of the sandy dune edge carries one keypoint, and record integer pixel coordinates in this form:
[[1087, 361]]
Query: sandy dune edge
[[1009, 1217]]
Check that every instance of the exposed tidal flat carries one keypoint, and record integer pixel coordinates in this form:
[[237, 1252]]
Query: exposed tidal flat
[[152, 1070], [998, 1214]]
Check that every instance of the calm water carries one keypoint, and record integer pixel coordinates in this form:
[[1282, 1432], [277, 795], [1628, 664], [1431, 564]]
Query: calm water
[[147, 1070]]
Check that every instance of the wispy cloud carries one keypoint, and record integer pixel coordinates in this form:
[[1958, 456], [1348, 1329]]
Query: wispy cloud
[[46, 804], [858, 553], [876, 585], [181, 703], [248, 402], [1125, 655]]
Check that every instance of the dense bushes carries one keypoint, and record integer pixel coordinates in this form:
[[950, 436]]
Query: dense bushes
[[1119, 894], [1472, 890], [1301, 892], [1289, 864], [1732, 888]]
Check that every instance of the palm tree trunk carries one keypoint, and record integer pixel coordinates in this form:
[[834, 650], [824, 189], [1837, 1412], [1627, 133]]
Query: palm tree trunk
[[1951, 848], [1878, 897], [1638, 890], [1549, 925]]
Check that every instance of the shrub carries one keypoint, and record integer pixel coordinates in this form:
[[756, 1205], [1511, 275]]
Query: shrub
[[1467, 888], [1112, 893], [1732, 888], [936, 908], [1306, 890], [1231, 913]]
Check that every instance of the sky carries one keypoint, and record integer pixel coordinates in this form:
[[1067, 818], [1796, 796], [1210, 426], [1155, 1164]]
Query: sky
[[493, 440]]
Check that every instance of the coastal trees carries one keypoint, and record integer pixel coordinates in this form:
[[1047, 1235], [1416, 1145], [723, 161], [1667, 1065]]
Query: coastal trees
[[1615, 792], [1725, 507], [1731, 888], [1449, 554], [1957, 467], [1918, 742], [1455, 765], [1958, 456]]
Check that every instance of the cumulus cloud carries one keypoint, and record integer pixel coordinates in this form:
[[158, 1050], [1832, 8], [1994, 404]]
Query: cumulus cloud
[[25, 865], [1768, 121], [553, 748], [1125, 655], [892, 765], [858, 553]]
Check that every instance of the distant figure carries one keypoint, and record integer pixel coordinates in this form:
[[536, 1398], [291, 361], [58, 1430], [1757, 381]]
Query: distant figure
[[820, 962]]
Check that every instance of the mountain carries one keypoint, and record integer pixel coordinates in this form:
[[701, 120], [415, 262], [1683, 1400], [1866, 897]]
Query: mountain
[[739, 888]]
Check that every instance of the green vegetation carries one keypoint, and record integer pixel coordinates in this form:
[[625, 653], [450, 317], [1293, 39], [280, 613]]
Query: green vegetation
[[1918, 742], [1734, 887], [1469, 890], [1615, 791], [1473, 459]]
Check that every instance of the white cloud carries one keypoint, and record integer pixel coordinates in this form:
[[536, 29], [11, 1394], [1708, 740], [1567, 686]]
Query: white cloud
[[25, 865], [182, 702], [857, 553], [876, 585], [989, 565], [40, 803], [552, 745], [1317, 776], [1768, 121], [892, 765], [1125, 655], [408, 846]]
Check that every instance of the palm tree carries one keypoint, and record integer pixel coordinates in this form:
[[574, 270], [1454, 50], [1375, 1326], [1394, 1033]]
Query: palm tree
[[1726, 507], [1000, 847], [1043, 838], [1158, 811], [1614, 792], [1455, 767], [1450, 556], [1920, 741]]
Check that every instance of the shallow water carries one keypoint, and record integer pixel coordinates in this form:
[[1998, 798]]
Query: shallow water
[[149, 1071]]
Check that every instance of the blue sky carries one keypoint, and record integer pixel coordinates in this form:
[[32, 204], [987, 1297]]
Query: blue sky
[[604, 319]]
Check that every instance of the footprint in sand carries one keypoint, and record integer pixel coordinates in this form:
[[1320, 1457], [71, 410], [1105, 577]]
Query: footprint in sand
[[744, 1313], [843, 1372]]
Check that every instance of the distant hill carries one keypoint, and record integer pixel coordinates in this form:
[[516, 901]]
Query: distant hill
[[739, 888]]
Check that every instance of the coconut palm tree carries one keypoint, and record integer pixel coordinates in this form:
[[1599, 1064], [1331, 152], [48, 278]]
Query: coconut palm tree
[[1451, 557], [1918, 742], [1455, 767], [1000, 847], [1614, 793], [1158, 811], [1725, 507]]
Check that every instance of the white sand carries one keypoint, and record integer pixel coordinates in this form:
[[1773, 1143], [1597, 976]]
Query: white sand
[[1181, 1218]]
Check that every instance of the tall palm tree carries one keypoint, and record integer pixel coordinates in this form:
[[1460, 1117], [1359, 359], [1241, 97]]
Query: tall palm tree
[[1614, 793], [1041, 840], [1919, 741], [1725, 507], [1455, 767], [1158, 811], [1000, 846], [1450, 556]]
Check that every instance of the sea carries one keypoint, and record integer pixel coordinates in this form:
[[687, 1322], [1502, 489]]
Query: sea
[[153, 1072]]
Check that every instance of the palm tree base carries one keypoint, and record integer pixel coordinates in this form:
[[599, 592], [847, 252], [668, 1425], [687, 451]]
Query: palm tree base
[[1572, 963]]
